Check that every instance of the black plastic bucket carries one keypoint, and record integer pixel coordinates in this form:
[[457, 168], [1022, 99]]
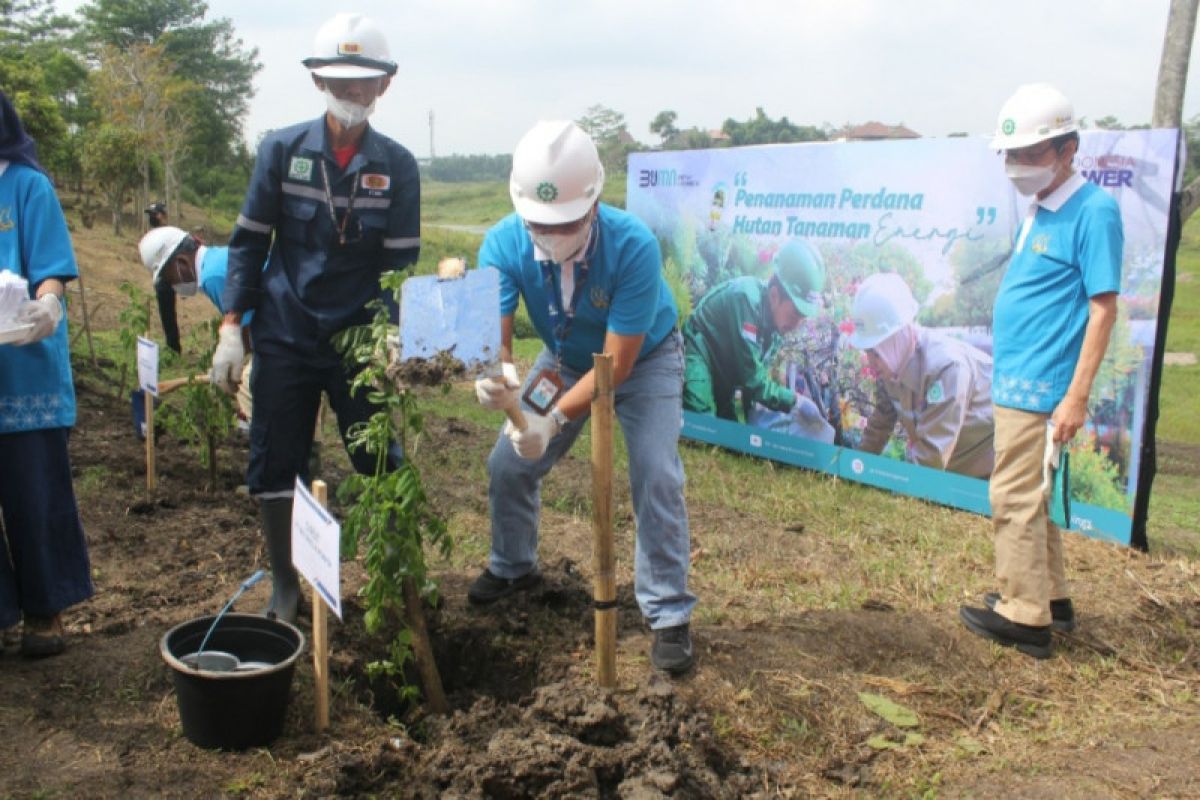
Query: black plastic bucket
[[234, 710]]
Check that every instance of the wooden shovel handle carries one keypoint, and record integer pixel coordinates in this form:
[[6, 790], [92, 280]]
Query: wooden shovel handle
[[169, 386], [516, 417]]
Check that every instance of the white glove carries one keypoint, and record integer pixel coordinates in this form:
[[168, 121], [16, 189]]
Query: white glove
[[499, 392], [531, 443], [44, 314], [227, 360], [805, 411], [1050, 459]]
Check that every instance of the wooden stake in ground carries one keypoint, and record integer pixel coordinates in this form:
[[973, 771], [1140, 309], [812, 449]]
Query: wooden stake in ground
[[320, 634], [604, 580], [87, 322]]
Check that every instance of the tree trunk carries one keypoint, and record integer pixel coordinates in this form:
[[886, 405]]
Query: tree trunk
[[414, 617], [1172, 81], [1172, 69]]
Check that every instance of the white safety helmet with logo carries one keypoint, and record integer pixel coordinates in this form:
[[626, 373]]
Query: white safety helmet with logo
[[882, 305], [556, 174], [350, 46], [157, 246], [1036, 112]]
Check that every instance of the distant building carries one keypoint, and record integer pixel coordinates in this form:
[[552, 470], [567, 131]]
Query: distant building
[[718, 135], [874, 132]]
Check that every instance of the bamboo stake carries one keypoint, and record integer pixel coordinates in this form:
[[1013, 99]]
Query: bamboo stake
[[604, 581], [320, 635], [87, 322]]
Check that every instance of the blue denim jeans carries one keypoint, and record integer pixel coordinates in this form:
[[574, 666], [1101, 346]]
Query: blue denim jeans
[[649, 405]]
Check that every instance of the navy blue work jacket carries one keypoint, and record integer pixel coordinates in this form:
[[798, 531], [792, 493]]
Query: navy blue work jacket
[[314, 285]]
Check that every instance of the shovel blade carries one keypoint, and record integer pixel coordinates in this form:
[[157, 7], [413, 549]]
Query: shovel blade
[[460, 317]]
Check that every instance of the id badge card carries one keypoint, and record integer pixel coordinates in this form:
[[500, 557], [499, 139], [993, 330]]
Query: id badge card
[[544, 391]]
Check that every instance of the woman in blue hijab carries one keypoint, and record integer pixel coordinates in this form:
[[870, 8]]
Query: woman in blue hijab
[[44, 565]]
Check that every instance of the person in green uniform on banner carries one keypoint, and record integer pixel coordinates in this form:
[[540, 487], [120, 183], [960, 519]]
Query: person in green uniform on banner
[[734, 329]]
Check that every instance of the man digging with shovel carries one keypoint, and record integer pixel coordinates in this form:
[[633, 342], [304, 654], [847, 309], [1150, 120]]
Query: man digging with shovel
[[335, 204], [591, 278]]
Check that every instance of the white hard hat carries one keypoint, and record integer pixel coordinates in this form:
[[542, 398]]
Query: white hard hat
[[157, 246], [556, 173], [1036, 112], [350, 46], [882, 305]]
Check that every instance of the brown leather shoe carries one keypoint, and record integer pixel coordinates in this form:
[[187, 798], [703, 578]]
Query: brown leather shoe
[[43, 636]]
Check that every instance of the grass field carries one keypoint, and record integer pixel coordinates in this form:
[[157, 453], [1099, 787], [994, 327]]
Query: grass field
[[1179, 421]]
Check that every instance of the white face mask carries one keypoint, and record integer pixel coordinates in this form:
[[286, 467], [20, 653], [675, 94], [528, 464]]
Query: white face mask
[[186, 289], [346, 112], [562, 248], [1030, 179]]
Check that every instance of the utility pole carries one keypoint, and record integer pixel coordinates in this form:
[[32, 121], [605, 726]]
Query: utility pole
[[432, 153]]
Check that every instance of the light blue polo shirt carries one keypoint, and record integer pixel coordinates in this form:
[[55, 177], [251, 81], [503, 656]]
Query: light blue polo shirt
[[625, 291], [36, 392], [1070, 252], [214, 264]]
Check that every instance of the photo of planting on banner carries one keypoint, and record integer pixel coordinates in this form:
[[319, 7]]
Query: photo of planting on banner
[[836, 304]]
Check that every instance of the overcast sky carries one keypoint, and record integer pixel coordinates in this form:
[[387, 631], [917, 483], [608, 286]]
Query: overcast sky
[[489, 68]]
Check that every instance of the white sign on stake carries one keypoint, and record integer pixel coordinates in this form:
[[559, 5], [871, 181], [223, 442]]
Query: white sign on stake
[[147, 364], [316, 547]]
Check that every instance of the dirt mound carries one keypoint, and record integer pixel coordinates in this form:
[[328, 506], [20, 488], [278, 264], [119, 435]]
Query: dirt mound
[[565, 740]]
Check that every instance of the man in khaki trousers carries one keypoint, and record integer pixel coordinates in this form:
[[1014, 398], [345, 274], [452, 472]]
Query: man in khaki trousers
[[1051, 323]]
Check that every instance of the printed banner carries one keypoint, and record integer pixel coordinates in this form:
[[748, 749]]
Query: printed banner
[[924, 229]]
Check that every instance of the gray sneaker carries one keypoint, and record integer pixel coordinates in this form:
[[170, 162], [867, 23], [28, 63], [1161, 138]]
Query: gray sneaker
[[672, 650]]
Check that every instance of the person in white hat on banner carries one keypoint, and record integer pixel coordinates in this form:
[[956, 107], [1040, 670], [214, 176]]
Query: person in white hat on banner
[[335, 204], [1050, 327], [937, 387], [591, 279]]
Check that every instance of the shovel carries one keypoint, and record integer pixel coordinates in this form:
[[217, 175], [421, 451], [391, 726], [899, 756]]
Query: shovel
[[457, 314], [137, 399]]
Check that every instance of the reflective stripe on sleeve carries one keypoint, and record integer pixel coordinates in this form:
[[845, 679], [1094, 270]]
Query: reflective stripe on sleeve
[[402, 243], [252, 226]]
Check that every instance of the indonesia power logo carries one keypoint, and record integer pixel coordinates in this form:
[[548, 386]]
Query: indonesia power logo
[[1008, 127], [547, 192]]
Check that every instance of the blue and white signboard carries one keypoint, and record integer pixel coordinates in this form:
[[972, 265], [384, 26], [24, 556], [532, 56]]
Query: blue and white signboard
[[316, 539], [941, 215]]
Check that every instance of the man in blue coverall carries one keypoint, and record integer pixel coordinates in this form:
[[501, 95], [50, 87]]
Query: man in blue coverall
[[342, 202], [591, 278]]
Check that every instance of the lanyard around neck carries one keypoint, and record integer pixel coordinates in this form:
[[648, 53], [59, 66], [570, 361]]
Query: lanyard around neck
[[561, 317], [340, 227]]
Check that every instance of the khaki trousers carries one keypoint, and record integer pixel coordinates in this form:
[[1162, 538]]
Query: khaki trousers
[[1029, 561]]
